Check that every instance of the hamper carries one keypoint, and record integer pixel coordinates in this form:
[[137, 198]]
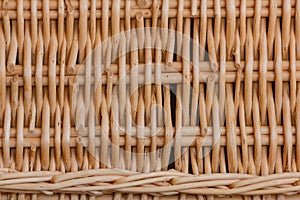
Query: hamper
[[149, 99]]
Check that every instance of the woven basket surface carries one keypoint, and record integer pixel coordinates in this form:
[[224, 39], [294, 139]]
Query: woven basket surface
[[149, 99]]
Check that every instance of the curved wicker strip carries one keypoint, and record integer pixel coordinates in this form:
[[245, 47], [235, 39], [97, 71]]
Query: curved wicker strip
[[157, 183]]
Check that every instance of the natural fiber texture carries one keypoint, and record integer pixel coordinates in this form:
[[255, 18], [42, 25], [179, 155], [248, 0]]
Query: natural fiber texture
[[103, 181], [161, 99]]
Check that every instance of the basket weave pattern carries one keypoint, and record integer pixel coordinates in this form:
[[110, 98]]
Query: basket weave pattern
[[96, 104]]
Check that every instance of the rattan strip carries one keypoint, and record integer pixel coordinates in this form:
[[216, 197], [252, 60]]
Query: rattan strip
[[189, 11], [97, 182]]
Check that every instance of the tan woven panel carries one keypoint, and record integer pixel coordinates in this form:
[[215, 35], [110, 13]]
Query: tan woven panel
[[149, 99]]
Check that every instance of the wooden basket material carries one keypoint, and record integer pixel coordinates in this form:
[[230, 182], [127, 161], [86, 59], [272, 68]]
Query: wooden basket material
[[76, 123]]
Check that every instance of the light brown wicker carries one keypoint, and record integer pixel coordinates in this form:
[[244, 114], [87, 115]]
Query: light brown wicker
[[149, 99]]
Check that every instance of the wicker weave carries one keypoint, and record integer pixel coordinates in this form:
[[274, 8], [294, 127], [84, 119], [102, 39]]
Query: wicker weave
[[138, 99]]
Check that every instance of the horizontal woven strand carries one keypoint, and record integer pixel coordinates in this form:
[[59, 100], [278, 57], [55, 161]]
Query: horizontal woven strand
[[187, 141], [6, 196], [111, 179], [186, 131], [11, 4], [167, 78], [146, 13], [79, 69]]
